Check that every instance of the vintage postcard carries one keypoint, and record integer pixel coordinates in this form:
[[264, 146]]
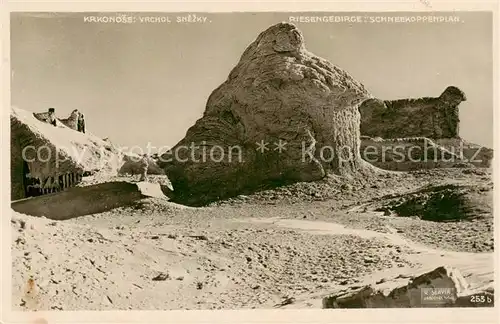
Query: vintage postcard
[[287, 163]]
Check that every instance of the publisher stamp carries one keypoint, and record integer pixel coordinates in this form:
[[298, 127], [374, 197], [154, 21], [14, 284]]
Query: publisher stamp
[[438, 296]]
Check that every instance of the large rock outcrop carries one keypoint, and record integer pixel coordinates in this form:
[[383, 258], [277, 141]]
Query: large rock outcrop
[[412, 134], [277, 92], [424, 117]]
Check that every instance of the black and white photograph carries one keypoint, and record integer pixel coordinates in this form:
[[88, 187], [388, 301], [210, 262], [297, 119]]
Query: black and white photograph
[[251, 160]]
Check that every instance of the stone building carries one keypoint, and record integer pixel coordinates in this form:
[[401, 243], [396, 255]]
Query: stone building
[[46, 159]]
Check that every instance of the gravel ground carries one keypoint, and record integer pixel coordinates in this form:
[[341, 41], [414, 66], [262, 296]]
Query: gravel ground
[[78, 266], [159, 255], [356, 207]]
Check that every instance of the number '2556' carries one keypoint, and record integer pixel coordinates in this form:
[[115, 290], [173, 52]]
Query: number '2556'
[[480, 299]]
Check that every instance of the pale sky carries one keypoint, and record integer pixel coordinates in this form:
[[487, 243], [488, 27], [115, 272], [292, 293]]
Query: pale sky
[[149, 82]]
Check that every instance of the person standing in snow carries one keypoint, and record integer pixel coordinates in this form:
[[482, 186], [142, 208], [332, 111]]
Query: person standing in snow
[[81, 123], [144, 164], [52, 116]]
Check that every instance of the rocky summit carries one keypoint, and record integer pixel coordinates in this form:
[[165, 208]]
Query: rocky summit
[[283, 115]]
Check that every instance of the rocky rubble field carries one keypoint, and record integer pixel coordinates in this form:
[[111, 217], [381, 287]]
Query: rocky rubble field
[[259, 251]]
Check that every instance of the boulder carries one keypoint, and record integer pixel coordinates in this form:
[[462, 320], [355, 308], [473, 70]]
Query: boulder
[[277, 93], [134, 164], [441, 287], [442, 203], [432, 117]]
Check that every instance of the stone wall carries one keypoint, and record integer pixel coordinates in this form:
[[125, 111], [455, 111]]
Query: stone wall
[[72, 120], [79, 201], [416, 153]]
